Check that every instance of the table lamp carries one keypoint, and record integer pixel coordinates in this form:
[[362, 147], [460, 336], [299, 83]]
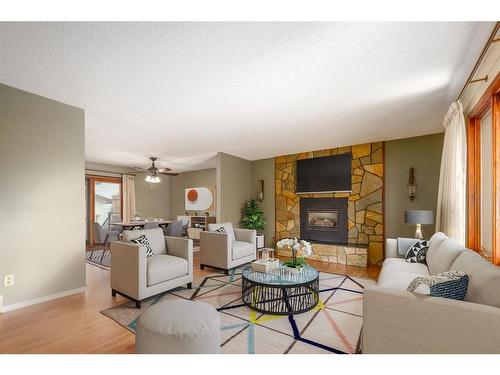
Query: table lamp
[[419, 217]]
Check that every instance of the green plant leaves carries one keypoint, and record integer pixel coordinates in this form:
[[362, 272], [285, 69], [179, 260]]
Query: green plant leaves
[[253, 216]]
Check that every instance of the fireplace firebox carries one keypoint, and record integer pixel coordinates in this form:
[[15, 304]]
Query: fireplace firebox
[[323, 220]]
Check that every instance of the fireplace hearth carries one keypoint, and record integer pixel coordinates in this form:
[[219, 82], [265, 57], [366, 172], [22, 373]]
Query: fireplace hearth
[[324, 220]]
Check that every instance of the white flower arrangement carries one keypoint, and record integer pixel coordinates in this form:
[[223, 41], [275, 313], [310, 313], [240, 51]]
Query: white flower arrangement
[[295, 245]]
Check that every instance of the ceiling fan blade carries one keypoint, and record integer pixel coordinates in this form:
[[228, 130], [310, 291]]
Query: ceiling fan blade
[[140, 169], [164, 170], [169, 173]]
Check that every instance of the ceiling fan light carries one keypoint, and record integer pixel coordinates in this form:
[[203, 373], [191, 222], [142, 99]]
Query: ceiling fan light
[[148, 178]]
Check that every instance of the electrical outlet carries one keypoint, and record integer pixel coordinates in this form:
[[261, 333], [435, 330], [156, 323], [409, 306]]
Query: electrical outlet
[[8, 280]]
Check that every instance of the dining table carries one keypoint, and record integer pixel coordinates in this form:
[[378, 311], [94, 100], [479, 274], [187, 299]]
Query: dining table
[[139, 224]]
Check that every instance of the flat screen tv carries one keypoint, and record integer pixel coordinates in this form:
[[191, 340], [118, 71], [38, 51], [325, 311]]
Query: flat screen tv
[[325, 174]]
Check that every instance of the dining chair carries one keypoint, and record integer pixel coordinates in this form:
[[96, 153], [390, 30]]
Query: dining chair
[[104, 236]]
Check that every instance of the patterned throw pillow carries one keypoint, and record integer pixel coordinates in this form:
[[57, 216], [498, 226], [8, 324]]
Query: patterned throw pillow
[[221, 230], [143, 241], [417, 252], [450, 284]]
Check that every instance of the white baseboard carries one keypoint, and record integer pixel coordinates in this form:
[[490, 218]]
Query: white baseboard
[[36, 301]]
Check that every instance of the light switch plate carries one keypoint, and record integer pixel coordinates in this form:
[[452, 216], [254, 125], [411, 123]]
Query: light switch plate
[[8, 280]]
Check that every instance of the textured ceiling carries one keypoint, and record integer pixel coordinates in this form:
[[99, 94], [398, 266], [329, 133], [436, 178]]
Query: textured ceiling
[[184, 91]]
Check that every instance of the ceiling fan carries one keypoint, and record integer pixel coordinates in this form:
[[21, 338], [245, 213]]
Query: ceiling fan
[[153, 172]]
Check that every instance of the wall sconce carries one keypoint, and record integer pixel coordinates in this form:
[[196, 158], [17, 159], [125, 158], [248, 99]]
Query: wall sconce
[[412, 184], [260, 194]]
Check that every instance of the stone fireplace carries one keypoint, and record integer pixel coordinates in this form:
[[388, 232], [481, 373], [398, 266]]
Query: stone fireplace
[[325, 226], [324, 220]]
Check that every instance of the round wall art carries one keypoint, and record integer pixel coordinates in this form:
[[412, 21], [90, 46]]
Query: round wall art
[[199, 199], [192, 195]]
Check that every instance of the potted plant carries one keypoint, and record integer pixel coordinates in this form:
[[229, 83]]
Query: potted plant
[[253, 218], [296, 247]]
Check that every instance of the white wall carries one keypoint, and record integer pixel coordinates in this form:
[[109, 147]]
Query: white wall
[[489, 66], [42, 214]]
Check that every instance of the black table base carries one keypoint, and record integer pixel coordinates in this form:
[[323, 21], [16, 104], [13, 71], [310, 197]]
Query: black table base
[[280, 299]]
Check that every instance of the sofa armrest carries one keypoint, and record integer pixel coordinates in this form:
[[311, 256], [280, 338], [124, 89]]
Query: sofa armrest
[[128, 268], [391, 248], [396, 321], [246, 235], [215, 249], [180, 247]]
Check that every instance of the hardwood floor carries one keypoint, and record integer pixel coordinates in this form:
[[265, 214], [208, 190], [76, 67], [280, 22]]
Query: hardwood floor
[[74, 324]]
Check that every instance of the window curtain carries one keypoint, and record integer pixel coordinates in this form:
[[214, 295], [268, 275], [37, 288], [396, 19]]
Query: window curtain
[[451, 205], [128, 192]]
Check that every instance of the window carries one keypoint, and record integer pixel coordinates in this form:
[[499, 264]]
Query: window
[[483, 174]]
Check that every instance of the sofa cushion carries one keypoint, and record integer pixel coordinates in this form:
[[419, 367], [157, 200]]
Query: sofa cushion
[[484, 278], [155, 237], [163, 268], [434, 242], [404, 244], [228, 228], [242, 249], [443, 257], [400, 264], [449, 284], [417, 252], [398, 274]]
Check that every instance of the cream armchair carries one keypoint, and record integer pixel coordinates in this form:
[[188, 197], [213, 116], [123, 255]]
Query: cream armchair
[[137, 277], [227, 250]]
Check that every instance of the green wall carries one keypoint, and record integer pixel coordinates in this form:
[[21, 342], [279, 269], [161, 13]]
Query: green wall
[[151, 200], [233, 187], [178, 184], [42, 215], [424, 155], [264, 170]]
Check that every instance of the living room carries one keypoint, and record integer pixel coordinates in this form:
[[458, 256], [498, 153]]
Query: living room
[[242, 188]]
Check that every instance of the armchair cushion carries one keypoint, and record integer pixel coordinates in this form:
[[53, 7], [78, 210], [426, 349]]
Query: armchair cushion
[[162, 268], [228, 228], [155, 238], [242, 249]]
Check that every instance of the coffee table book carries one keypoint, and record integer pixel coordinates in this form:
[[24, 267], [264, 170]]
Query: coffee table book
[[261, 265]]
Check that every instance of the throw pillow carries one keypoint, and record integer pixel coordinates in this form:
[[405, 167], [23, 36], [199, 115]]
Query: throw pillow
[[450, 284], [417, 252], [221, 230], [143, 241]]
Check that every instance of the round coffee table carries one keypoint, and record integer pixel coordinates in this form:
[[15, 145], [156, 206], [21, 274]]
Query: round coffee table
[[280, 292]]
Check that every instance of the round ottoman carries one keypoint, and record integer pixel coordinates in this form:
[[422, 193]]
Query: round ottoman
[[178, 326]]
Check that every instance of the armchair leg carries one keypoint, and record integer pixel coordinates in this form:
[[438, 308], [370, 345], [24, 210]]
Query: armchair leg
[[137, 304], [226, 272], [190, 285], [113, 293], [202, 266]]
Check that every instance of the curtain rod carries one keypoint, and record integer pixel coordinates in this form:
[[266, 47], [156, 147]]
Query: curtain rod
[[120, 173], [492, 39]]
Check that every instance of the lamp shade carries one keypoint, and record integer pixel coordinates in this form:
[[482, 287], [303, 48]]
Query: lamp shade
[[419, 217]]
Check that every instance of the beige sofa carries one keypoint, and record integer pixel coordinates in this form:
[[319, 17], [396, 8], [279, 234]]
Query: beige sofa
[[398, 321], [227, 250], [135, 276]]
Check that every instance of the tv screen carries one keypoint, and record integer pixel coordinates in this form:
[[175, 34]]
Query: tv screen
[[325, 174]]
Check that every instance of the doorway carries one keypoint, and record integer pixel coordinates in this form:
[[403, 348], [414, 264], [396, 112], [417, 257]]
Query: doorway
[[104, 204]]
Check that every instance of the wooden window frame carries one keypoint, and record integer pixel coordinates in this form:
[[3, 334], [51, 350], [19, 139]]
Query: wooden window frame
[[489, 100], [92, 180]]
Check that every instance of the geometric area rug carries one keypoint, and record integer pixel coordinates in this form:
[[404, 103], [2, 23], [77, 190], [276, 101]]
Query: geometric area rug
[[333, 326]]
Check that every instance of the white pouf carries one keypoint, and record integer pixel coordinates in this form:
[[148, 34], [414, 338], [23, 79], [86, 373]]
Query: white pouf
[[178, 326]]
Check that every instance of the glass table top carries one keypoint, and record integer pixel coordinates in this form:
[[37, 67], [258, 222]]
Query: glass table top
[[281, 276]]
